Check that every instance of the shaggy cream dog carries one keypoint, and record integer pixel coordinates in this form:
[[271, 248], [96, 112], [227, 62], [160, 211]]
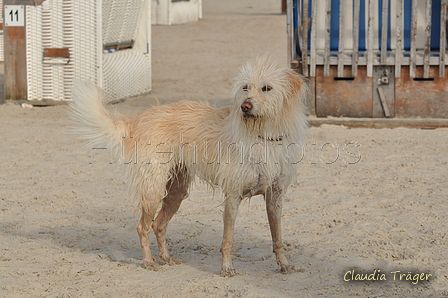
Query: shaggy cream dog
[[251, 147]]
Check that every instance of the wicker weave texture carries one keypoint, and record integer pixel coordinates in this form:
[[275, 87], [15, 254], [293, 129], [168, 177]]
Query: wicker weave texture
[[57, 32], [120, 20], [52, 25], [126, 73], [34, 49], [76, 25], [86, 55]]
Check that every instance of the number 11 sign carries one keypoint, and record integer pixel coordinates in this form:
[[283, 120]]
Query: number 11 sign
[[14, 16]]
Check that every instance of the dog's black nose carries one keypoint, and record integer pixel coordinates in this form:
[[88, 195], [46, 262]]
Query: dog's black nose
[[246, 107]]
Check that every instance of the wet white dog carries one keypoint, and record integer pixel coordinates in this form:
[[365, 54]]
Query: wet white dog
[[251, 147]]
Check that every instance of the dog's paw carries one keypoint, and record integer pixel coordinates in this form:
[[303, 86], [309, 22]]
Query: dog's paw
[[172, 261], [228, 272], [152, 266], [287, 269]]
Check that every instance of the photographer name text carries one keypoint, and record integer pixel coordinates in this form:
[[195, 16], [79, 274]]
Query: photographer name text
[[377, 275]]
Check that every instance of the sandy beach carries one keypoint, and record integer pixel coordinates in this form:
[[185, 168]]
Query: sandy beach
[[367, 204]]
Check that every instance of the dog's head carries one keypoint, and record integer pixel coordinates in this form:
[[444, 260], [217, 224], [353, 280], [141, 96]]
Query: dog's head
[[263, 89]]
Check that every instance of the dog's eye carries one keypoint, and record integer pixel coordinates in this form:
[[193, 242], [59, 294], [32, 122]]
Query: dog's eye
[[245, 88], [266, 88]]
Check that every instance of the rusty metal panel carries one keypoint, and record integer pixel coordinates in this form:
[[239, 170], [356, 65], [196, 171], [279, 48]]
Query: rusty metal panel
[[383, 77], [57, 52], [343, 97], [419, 97]]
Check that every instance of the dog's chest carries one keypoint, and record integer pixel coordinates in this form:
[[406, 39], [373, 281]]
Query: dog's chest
[[258, 186]]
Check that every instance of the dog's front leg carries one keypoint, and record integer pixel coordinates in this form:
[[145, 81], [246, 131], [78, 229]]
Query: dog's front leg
[[274, 209], [230, 213]]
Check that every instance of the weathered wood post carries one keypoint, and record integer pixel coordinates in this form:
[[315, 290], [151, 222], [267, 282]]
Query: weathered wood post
[[14, 31]]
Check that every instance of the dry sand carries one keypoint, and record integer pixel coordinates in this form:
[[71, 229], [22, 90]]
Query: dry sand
[[68, 230]]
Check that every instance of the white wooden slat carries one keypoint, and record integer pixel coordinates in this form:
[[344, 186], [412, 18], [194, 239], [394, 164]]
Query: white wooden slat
[[289, 31], [427, 38], [68, 33], [370, 39], [341, 38], [327, 38], [313, 39], [396, 57], [304, 46], [98, 10], [355, 58], [2, 53], [442, 61], [413, 38], [384, 22], [434, 59], [399, 38]]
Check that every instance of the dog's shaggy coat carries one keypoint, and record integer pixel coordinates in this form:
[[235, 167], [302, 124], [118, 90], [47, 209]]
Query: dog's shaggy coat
[[251, 147]]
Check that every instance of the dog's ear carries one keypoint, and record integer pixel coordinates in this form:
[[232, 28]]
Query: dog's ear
[[296, 85]]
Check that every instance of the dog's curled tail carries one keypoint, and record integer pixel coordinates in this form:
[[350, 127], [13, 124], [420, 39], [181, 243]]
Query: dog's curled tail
[[92, 121]]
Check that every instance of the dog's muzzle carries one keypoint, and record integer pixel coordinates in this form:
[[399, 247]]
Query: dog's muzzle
[[246, 107]]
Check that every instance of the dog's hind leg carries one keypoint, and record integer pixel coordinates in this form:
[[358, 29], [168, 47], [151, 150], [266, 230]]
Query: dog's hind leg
[[274, 209], [230, 213], [149, 261], [177, 190]]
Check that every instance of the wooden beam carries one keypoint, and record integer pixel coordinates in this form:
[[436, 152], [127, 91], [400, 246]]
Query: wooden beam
[[424, 123], [15, 83], [434, 59], [383, 101], [284, 6]]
